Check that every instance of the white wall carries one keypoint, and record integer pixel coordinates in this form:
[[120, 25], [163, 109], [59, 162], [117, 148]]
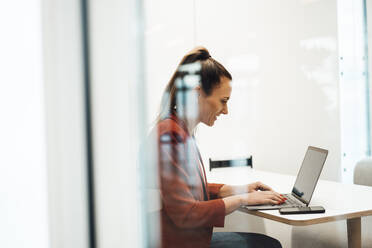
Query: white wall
[[23, 170], [283, 58], [169, 34]]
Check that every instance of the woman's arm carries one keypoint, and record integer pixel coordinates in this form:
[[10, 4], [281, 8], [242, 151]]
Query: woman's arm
[[230, 190]]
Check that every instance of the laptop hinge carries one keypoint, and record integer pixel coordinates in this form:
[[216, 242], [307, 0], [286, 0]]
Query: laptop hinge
[[299, 198]]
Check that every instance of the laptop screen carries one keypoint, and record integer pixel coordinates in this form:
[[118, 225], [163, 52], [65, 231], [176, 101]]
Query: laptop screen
[[309, 173]]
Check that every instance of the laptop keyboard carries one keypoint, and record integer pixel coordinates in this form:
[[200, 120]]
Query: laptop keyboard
[[291, 201]]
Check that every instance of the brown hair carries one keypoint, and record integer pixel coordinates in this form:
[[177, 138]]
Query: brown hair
[[210, 74]]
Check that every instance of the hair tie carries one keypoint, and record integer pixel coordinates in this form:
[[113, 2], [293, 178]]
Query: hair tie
[[205, 56]]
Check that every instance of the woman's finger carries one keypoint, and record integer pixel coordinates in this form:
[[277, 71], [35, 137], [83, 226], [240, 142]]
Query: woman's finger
[[274, 195], [276, 198], [273, 202], [278, 195]]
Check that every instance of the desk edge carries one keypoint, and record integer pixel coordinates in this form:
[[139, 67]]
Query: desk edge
[[317, 220]]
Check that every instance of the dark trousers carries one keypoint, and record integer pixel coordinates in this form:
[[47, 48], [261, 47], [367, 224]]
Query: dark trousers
[[240, 240]]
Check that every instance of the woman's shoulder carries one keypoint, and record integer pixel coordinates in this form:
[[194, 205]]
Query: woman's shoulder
[[170, 127]]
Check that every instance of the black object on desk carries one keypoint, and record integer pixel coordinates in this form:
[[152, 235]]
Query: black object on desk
[[230, 163], [302, 210]]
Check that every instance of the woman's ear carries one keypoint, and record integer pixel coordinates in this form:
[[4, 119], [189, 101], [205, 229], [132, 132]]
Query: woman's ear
[[198, 90]]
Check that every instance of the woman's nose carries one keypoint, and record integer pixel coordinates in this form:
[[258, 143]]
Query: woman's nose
[[225, 111]]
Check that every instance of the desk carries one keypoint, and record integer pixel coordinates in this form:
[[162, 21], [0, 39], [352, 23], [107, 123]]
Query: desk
[[341, 201]]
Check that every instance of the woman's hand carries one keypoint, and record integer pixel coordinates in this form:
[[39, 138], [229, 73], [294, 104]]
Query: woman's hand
[[258, 186], [230, 190], [262, 197], [254, 198]]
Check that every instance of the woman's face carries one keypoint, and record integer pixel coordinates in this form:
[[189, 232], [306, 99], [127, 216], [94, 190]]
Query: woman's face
[[210, 107]]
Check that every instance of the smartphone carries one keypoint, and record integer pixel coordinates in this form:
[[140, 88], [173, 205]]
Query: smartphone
[[302, 210]]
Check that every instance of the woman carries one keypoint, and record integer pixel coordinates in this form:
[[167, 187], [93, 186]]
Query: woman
[[198, 92]]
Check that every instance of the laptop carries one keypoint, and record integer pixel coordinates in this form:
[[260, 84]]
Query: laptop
[[306, 181]]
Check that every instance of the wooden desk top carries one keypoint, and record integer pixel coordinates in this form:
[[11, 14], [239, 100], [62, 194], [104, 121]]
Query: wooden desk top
[[341, 201]]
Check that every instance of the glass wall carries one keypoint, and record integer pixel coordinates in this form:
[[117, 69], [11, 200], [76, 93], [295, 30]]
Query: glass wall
[[295, 83], [354, 86]]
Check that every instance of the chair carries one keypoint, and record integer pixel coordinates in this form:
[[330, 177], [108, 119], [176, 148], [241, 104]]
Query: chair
[[363, 176], [230, 163], [363, 172]]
